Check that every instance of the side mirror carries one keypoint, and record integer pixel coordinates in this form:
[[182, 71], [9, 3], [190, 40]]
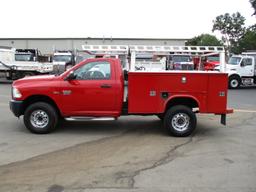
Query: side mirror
[[71, 76], [242, 64]]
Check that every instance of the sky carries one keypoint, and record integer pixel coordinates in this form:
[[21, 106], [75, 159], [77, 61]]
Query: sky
[[115, 18]]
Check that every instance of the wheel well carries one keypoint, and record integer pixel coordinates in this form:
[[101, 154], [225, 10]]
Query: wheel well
[[187, 101], [234, 75], [40, 98]]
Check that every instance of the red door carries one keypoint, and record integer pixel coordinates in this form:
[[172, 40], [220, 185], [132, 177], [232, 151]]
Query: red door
[[92, 92]]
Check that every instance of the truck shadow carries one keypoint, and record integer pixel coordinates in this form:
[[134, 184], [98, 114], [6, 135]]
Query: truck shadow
[[132, 126], [135, 126], [244, 87], [205, 131]]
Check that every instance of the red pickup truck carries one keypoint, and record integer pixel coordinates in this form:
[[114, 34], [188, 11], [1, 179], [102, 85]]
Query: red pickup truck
[[94, 89]]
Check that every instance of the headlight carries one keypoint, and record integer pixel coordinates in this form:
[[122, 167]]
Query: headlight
[[16, 93]]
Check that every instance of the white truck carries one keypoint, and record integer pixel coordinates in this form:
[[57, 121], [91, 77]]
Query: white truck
[[181, 62], [21, 65], [241, 70], [63, 60]]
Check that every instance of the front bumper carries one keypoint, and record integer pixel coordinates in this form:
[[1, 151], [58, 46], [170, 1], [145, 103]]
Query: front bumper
[[16, 107]]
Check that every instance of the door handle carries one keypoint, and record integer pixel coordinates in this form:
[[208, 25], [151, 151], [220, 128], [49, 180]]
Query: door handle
[[105, 86]]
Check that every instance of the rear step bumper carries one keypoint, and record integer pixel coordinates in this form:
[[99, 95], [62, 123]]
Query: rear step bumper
[[223, 116]]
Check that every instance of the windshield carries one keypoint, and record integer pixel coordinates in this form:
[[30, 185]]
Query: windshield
[[234, 60], [62, 58], [181, 58], [23, 57], [213, 58]]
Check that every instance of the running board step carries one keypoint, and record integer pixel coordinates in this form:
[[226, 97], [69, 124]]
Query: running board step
[[90, 119]]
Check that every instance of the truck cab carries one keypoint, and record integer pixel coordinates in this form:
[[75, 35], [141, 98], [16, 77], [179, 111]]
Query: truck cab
[[30, 55], [181, 62], [211, 62], [24, 56], [241, 70], [63, 60]]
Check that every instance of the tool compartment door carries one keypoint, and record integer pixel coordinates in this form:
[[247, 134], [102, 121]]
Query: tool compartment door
[[217, 93], [142, 93]]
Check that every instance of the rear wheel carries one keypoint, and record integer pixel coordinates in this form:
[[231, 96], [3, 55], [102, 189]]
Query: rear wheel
[[40, 118], [180, 121], [234, 82]]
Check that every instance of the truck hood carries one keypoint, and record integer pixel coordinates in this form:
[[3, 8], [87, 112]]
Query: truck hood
[[211, 65], [232, 66], [213, 62], [39, 77], [229, 68], [34, 79]]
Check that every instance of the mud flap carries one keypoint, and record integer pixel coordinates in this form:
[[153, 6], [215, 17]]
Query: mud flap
[[223, 119]]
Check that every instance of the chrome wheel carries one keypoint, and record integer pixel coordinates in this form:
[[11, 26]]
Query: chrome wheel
[[234, 83], [180, 122], [39, 119]]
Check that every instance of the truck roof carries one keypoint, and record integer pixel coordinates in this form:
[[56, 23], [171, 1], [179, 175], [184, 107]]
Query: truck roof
[[249, 53]]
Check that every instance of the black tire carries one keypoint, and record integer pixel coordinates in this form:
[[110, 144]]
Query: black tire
[[45, 118], [180, 121], [234, 82]]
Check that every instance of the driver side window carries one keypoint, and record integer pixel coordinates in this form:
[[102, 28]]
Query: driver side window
[[246, 61], [93, 71]]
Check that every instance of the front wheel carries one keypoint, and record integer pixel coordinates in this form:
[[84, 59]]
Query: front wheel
[[234, 82], [40, 118], [180, 121]]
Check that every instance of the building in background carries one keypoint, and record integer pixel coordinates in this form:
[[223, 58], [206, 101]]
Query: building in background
[[48, 45]]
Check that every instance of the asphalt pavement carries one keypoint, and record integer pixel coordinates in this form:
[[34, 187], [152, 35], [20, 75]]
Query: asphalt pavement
[[131, 154]]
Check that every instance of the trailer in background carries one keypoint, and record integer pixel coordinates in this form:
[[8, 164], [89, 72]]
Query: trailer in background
[[16, 64]]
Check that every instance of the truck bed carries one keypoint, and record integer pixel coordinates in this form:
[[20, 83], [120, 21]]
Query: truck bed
[[150, 92], [28, 66]]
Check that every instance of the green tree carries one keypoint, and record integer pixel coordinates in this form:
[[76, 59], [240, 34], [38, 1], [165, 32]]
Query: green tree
[[204, 40], [231, 27], [253, 3], [248, 41]]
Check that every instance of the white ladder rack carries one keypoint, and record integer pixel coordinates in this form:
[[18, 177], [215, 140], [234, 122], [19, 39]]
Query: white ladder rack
[[184, 49], [106, 48], [133, 50], [153, 48]]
